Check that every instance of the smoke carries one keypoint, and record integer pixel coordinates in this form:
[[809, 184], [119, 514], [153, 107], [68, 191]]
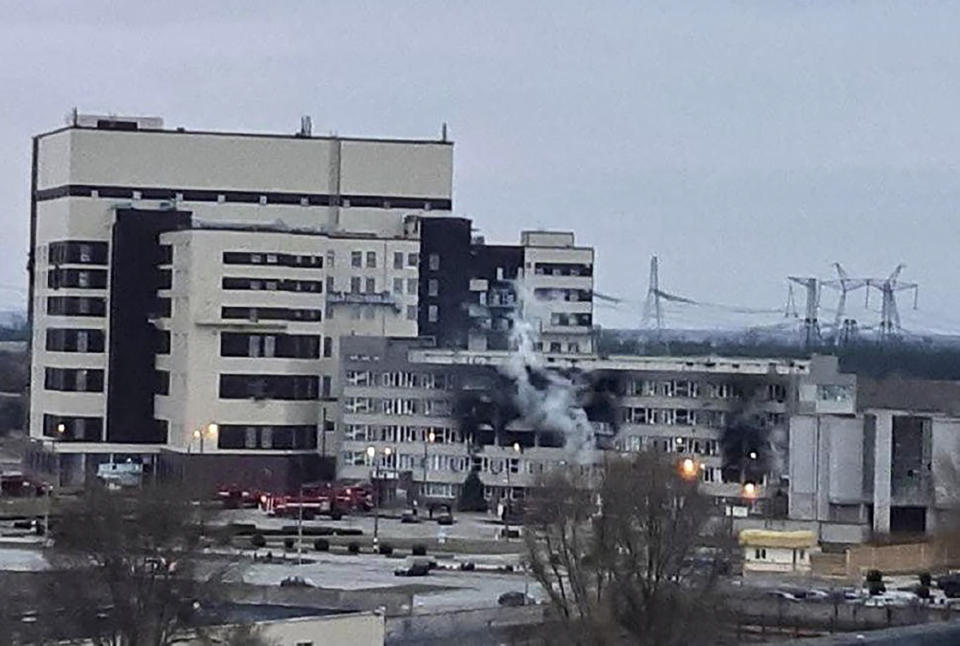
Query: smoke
[[752, 447], [545, 399]]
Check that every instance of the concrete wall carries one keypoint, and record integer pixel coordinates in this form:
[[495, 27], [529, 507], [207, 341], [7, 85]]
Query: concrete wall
[[908, 557], [455, 625]]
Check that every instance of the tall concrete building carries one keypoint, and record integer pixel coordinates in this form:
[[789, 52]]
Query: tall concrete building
[[188, 289]]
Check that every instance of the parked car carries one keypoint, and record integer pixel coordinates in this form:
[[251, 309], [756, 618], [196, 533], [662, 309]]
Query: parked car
[[410, 516], [514, 599], [415, 569], [444, 517], [296, 582]]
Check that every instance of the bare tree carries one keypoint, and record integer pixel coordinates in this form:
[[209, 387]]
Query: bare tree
[[623, 562], [130, 570]]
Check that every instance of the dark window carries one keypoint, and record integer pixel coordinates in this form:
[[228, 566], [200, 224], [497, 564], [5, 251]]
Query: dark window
[[271, 313], [164, 278], [162, 383], [161, 307], [81, 278], [260, 386], [273, 284], [74, 340], [76, 306], [285, 437], [288, 346], [74, 380], [78, 252], [163, 342], [165, 256], [272, 258], [327, 346], [77, 429]]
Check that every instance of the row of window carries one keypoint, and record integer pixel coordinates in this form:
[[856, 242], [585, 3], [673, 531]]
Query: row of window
[[711, 390], [686, 445], [76, 306], [278, 437], [273, 284], [566, 319], [401, 379], [568, 295], [280, 259], [68, 427], [88, 380], [79, 278], [286, 346], [270, 314], [283, 387], [414, 462], [562, 269], [78, 252], [398, 406], [401, 433], [75, 340], [243, 197], [689, 417]]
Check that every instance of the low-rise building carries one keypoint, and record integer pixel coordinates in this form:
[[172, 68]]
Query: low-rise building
[[777, 551]]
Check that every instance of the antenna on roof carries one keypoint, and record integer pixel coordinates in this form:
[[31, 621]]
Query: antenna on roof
[[306, 126], [71, 117], [443, 132]]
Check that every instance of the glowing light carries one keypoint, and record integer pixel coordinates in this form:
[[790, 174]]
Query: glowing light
[[371, 452], [753, 455], [688, 467], [212, 429], [61, 429], [750, 490]]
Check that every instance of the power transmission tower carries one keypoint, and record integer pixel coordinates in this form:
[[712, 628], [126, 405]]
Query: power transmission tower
[[652, 307], [843, 284], [889, 315], [811, 323]]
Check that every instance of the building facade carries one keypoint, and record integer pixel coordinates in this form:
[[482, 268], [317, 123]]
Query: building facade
[[188, 289], [423, 417]]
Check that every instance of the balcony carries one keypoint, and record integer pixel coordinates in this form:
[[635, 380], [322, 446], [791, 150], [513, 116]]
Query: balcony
[[356, 298]]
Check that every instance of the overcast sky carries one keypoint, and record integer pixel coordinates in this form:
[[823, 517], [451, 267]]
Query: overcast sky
[[740, 142]]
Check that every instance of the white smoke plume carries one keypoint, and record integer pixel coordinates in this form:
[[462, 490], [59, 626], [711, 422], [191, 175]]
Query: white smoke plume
[[553, 403]]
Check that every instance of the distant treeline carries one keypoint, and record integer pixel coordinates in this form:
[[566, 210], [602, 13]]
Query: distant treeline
[[20, 333], [904, 359]]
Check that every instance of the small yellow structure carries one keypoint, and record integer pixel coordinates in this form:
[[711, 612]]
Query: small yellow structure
[[767, 550]]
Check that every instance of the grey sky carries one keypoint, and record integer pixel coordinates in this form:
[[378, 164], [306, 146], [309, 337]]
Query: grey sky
[[739, 141]]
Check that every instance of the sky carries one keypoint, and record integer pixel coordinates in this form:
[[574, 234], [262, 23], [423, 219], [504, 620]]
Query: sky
[[741, 142]]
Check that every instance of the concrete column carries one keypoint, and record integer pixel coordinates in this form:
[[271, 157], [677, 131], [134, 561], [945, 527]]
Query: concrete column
[[882, 476]]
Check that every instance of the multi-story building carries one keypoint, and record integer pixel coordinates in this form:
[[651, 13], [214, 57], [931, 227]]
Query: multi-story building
[[877, 457], [431, 415], [188, 289], [546, 276]]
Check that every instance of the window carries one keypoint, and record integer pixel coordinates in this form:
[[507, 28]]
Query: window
[[355, 284], [411, 312], [413, 259], [398, 286], [77, 429], [371, 260], [356, 259], [398, 260], [331, 259], [282, 437], [434, 260], [74, 340], [262, 386], [834, 393], [371, 286], [78, 252], [74, 380], [556, 346], [270, 313], [433, 313], [288, 346], [760, 553], [76, 306], [412, 286], [433, 287], [327, 346]]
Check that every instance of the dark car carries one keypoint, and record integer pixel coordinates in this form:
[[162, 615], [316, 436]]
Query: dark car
[[444, 518], [415, 569], [410, 516], [296, 582], [514, 599]]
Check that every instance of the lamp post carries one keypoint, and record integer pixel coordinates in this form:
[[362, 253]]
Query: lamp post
[[428, 439], [210, 430], [372, 454]]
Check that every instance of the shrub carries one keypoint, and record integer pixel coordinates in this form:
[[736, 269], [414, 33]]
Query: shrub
[[288, 543], [386, 549], [925, 579], [321, 545], [353, 548], [419, 550], [874, 576], [258, 541], [923, 592], [471, 494]]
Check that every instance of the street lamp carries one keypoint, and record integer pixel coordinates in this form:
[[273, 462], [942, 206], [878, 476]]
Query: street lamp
[[211, 430], [428, 439], [372, 454]]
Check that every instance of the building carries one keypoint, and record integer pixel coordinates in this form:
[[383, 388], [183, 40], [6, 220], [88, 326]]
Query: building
[[421, 417], [473, 292], [188, 289], [880, 459], [777, 551]]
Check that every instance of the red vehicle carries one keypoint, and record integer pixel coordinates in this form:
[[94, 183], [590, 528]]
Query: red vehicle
[[356, 497], [313, 500], [235, 497]]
